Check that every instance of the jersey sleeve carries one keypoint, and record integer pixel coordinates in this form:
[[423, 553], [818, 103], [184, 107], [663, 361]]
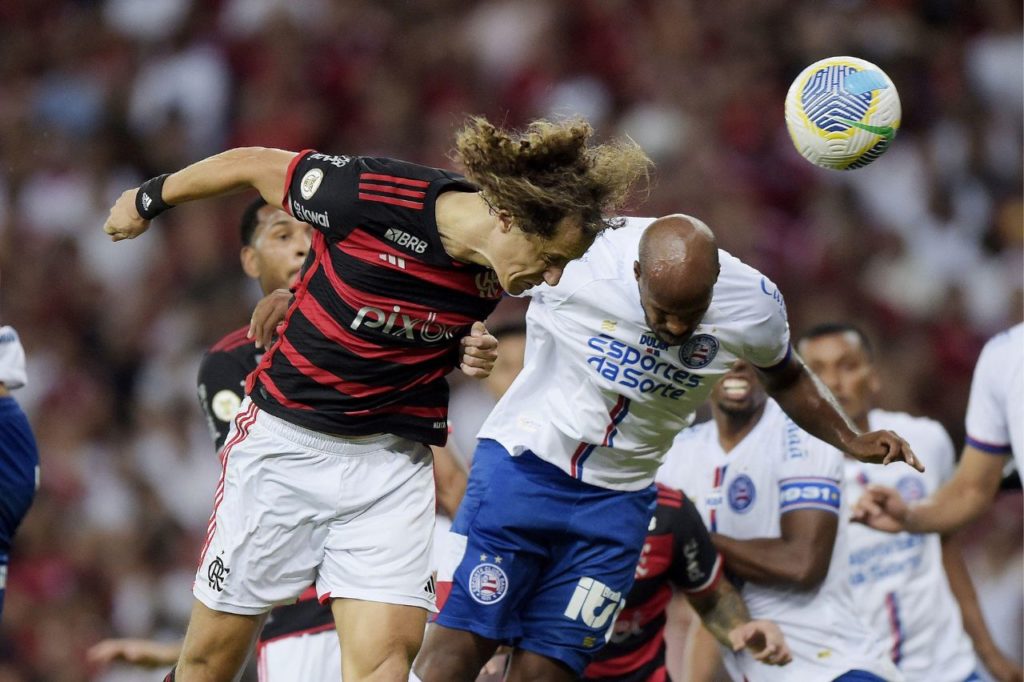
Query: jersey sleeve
[[697, 565], [221, 390], [811, 474], [336, 194], [766, 343], [12, 359], [987, 427]]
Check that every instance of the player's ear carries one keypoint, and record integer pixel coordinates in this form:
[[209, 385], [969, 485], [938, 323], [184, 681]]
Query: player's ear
[[636, 270], [250, 263]]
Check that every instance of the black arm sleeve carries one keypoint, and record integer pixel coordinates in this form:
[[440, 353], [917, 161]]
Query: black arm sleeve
[[696, 563], [221, 389]]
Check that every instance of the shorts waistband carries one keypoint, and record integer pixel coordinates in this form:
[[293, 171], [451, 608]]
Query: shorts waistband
[[325, 442]]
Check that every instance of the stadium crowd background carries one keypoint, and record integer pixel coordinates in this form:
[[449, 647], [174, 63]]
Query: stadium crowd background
[[924, 248]]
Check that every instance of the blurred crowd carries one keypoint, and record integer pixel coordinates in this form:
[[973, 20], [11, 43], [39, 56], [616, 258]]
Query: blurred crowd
[[925, 248]]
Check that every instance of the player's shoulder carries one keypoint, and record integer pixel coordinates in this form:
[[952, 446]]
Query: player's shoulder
[[402, 174], [232, 341], [1005, 348]]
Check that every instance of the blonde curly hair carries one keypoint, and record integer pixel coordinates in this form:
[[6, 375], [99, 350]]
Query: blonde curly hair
[[551, 171]]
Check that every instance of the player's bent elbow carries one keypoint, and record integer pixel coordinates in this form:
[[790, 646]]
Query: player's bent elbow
[[809, 573]]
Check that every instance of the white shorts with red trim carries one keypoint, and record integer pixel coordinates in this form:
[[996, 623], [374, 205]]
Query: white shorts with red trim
[[301, 657], [293, 507]]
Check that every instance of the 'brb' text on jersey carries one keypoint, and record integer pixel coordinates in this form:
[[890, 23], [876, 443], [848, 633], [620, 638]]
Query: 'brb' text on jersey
[[600, 396], [380, 306]]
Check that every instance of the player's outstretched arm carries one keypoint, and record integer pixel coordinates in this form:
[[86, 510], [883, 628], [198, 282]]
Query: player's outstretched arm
[[236, 169], [726, 617], [811, 405], [142, 652], [961, 500]]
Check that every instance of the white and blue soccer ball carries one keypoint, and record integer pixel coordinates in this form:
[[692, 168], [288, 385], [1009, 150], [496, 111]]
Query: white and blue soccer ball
[[842, 112]]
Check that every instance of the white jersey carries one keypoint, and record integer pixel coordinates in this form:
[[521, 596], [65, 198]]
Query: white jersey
[[775, 469], [995, 411], [898, 581], [600, 396], [12, 359]]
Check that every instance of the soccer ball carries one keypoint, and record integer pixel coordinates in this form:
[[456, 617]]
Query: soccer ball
[[842, 112]]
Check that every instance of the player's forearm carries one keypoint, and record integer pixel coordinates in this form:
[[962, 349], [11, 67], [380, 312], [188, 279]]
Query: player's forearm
[[721, 611], [963, 589], [771, 561], [231, 171], [946, 511], [813, 408]]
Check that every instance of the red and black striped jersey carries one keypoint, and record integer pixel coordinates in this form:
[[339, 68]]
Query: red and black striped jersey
[[379, 307], [678, 552]]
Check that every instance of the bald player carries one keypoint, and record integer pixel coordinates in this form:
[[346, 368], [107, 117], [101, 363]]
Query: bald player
[[619, 356]]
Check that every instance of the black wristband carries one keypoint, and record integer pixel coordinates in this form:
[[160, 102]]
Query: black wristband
[[149, 200]]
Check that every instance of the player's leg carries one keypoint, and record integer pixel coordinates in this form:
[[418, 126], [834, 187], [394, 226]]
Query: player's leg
[[450, 654], [216, 644], [380, 640], [272, 507], [377, 561], [527, 666], [573, 608], [501, 538]]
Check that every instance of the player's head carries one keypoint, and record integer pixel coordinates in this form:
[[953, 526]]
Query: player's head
[[274, 245], [841, 355], [511, 350], [676, 270], [739, 394], [551, 189]]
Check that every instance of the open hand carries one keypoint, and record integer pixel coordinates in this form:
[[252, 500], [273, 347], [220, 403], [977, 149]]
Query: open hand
[[142, 652]]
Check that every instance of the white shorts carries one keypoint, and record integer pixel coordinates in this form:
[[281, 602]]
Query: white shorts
[[296, 507], [313, 657]]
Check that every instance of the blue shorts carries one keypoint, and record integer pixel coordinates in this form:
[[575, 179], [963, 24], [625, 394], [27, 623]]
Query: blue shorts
[[542, 561], [19, 462]]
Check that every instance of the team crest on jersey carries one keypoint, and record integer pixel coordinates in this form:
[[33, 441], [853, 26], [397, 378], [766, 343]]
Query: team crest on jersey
[[487, 284], [488, 584], [742, 494], [699, 351], [310, 183], [911, 488]]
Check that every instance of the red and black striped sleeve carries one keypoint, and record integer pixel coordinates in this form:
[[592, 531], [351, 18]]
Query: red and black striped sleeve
[[697, 565]]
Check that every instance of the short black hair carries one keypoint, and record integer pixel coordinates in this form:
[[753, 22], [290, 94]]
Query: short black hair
[[831, 328], [250, 219]]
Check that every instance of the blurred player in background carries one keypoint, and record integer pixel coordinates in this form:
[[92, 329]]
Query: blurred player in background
[[771, 495], [298, 642], [900, 582], [620, 354], [19, 458], [995, 431], [678, 553], [342, 406]]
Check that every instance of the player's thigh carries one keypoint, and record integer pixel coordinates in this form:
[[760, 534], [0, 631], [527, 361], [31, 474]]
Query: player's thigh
[[378, 641], [269, 526], [574, 605], [378, 549], [311, 657], [527, 666], [216, 644]]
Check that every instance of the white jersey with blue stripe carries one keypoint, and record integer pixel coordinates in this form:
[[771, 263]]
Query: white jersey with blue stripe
[[778, 468], [995, 411], [898, 580], [602, 398]]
